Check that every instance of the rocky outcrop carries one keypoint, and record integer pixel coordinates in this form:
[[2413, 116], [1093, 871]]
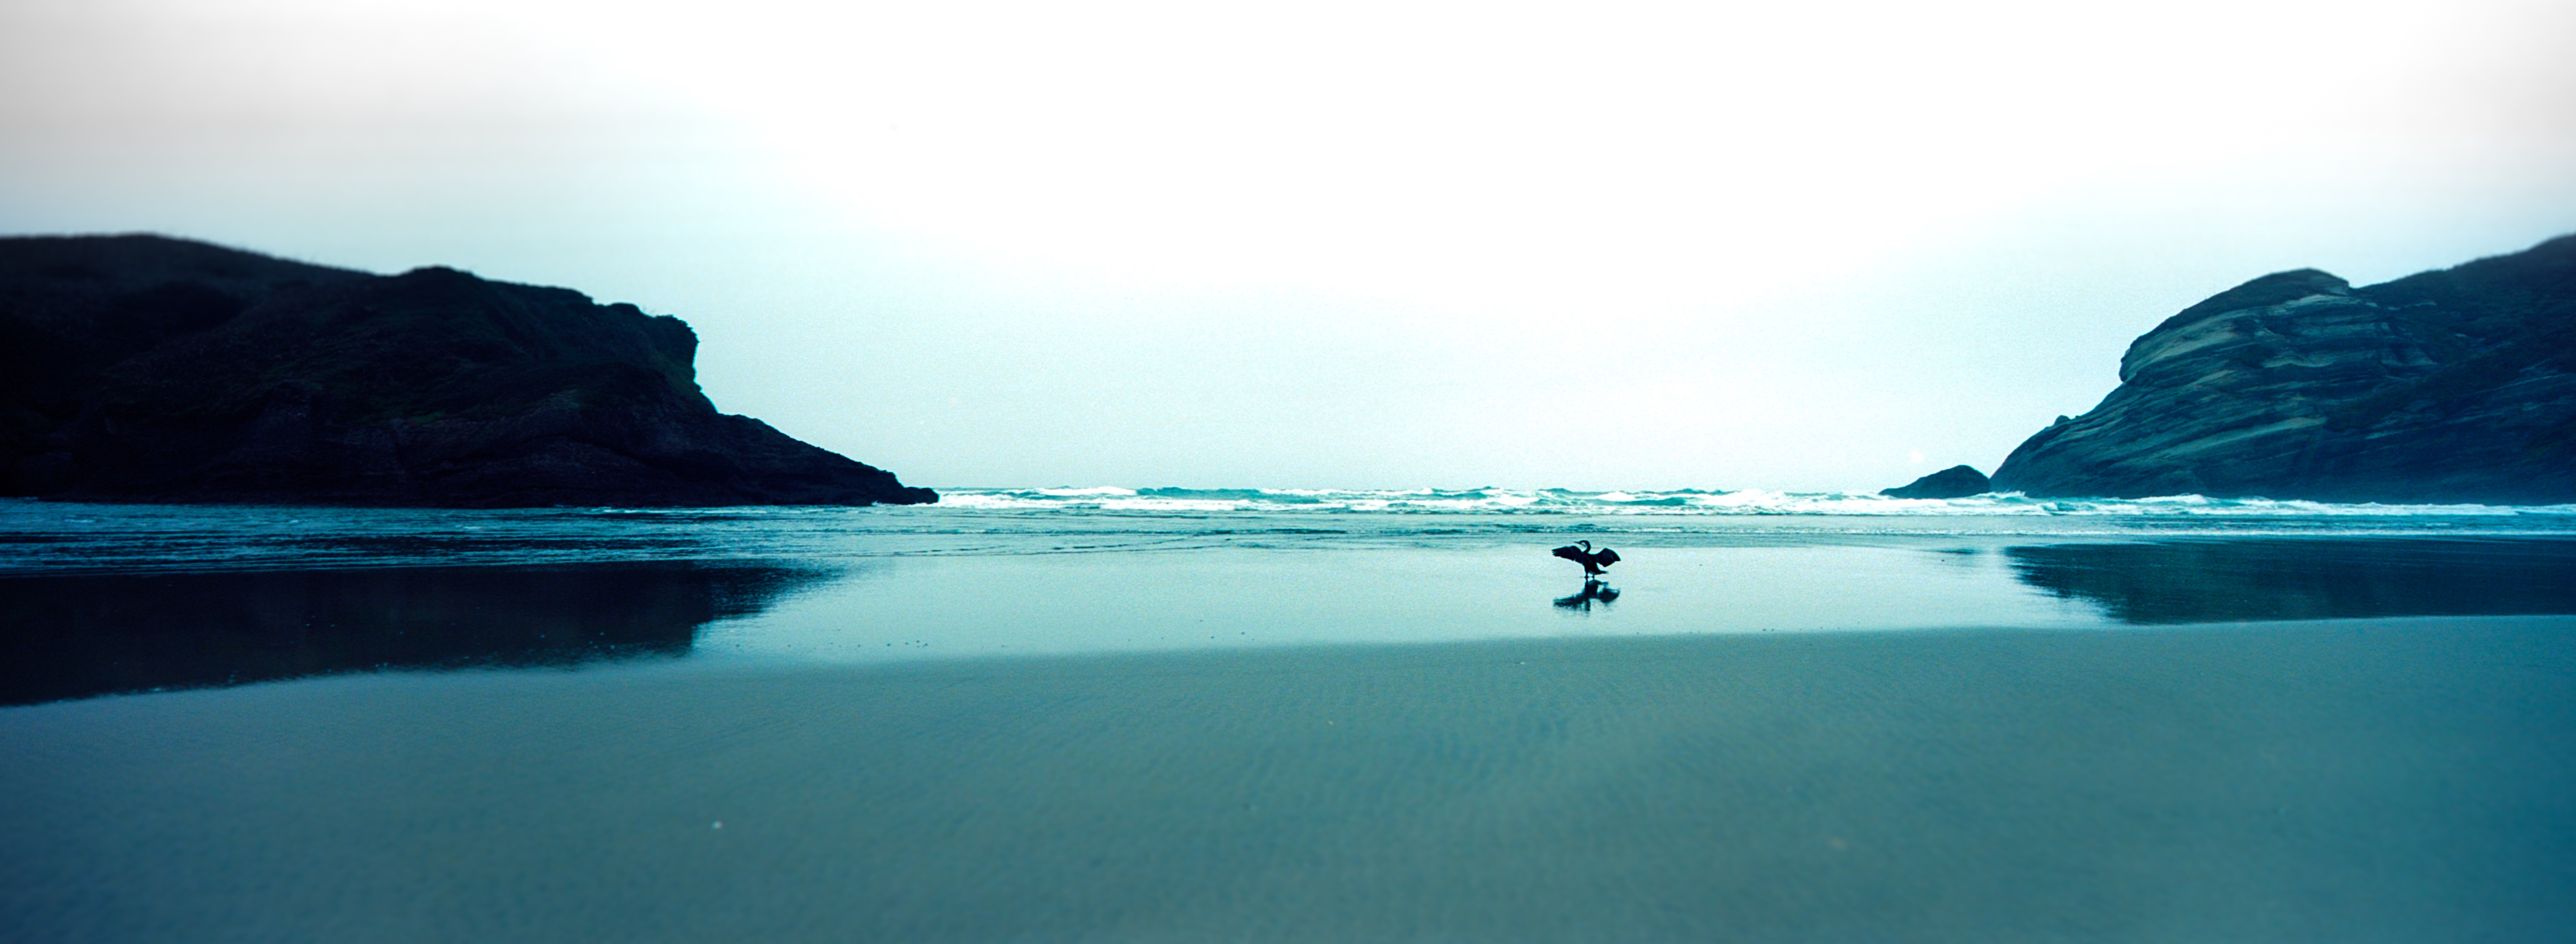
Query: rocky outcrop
[[2449, 386], [1957, 481], [140, 368]]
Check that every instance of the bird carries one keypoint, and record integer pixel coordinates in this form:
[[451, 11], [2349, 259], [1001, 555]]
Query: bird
[[1591, 560]]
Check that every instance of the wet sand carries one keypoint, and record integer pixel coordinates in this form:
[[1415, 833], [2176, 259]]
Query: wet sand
[[2350, 780]]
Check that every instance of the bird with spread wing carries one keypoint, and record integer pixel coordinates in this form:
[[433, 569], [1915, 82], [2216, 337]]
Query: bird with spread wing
[[1581, 552]]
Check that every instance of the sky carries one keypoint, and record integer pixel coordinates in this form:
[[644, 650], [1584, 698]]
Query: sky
[[1785, 246]]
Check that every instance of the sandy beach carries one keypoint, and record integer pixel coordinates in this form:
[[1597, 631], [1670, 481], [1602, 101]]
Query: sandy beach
[[2350, 780]]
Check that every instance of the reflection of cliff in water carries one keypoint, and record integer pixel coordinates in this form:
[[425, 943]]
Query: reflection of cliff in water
[[2308, 578], [92, 634]]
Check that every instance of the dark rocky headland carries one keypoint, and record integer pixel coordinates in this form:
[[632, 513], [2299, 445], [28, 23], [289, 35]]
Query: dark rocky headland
[[2449, 386], [1958, 481], [149, 369]]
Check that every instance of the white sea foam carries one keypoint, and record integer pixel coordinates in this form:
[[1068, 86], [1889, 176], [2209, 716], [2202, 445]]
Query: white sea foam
[[1679, 502], [52, 537]]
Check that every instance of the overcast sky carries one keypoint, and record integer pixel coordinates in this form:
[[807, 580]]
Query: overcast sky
[[1808, 247]]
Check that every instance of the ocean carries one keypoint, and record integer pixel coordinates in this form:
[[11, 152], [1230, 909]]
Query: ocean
[[1180, 714]]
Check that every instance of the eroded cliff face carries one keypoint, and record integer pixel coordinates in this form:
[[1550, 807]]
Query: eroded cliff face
[[2449, 386], [140, 368]]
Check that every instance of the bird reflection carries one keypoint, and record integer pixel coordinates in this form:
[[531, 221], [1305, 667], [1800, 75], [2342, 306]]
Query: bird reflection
[[1593, 590]]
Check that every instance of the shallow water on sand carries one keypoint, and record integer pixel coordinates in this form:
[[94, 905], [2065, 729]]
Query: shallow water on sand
[[1007, 724], [98, 599]]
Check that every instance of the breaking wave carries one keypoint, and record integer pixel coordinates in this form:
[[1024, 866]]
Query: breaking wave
[[1678, 502]]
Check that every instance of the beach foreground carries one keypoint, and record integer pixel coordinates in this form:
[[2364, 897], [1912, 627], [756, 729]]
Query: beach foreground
[[2350, 780]]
